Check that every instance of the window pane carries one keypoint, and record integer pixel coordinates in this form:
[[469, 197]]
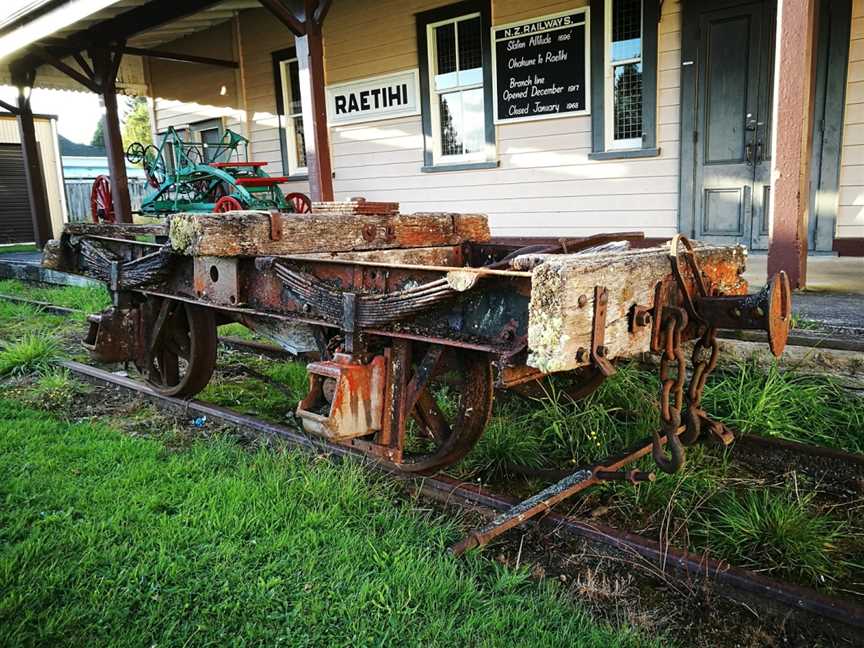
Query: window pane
[[473, 123], [462, 123], [294, 80], [299, 141], [628, 101], [450, 115], [445, 56], [470, 52], [626, 29]]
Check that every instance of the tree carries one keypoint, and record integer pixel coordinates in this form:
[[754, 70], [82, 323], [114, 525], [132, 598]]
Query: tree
[[136, 127], [98, 138]]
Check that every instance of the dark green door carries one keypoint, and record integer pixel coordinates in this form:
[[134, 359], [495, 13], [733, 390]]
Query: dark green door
[[732, 123]]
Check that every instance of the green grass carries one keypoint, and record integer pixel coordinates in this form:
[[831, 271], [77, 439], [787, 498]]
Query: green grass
[[30, 354], [234, 387], [784, 403], [18, 247], [107, 539], [84, 298], [776, 528]]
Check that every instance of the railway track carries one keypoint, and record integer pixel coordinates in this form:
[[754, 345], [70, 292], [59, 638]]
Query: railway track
[[735, 581]]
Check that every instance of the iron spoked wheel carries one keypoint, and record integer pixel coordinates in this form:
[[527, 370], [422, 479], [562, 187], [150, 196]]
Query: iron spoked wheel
[[576, 385], [101, 205], [299, 201], [227, 204], [181, 347], [452, 394]]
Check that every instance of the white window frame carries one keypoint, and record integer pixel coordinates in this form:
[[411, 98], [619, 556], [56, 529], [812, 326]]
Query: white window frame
[[609, 79], [434, 101], [290, 129]]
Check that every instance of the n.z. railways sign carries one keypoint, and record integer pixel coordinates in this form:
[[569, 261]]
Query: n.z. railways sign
[[541, 67]]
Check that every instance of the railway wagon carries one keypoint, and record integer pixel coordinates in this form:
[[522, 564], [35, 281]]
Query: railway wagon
[[393, 307]]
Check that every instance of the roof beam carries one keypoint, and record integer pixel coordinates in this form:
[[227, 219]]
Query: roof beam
[[180, 58]]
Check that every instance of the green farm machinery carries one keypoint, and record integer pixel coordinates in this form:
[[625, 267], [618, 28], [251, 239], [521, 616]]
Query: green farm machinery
[[192, 177]]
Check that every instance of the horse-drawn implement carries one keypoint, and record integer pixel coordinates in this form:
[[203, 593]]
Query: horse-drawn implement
[[396, 308], [199, 177]]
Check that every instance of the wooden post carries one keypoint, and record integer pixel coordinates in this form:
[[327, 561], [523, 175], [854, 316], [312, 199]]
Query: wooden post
[[105, 64], [793, 120], [309, 42], [37, 194], [310, 62]]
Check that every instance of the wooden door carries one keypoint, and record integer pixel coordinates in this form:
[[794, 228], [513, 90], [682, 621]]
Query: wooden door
[[731, 106]]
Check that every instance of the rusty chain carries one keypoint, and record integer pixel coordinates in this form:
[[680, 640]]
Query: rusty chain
[[671, 394]]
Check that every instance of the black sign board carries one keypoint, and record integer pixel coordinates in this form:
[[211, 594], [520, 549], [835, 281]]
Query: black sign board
[[541, 67]]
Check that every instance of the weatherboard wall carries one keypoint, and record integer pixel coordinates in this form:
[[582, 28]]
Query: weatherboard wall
[[545, 185]]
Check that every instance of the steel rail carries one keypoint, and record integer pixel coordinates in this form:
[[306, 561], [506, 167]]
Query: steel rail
[[451, 491]]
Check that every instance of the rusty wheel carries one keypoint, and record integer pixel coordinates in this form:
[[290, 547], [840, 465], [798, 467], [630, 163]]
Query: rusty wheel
[[576, 385], [227, 204], [299, 201], [452, 394], [101, 206], [181, 347]]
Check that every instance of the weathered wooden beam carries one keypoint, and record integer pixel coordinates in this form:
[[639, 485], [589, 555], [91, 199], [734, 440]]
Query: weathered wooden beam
[[111, 230], [250, 233], [561, 310]]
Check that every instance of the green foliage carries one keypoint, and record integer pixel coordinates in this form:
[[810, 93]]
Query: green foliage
[[774, 529], [98, 138], [87, 299], [784, 403], [112, 540], [30, 354], [136, 126]]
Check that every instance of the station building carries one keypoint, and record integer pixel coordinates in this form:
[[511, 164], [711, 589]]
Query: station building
[[728, 121]]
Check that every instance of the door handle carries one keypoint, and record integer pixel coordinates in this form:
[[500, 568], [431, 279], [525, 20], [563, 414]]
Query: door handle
[[748, 153]]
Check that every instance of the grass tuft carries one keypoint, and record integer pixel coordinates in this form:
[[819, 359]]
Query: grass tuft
[[30, 354], [786, 404], [777, 529]]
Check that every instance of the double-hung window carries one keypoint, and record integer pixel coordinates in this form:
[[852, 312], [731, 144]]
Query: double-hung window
[[624, 74], [456, 65], [290, 110], [624, 78], [456, 93]]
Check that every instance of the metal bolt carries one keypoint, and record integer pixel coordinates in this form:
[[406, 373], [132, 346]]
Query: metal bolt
[[602, 351], [736, 312], [583, 299], [760, 312], [643, 318], [580, 354]]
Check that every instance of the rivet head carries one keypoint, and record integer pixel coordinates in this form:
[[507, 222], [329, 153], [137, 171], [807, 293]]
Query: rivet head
[[583, 299], [580, 354]]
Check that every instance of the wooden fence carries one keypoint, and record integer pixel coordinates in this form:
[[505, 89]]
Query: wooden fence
[[78, 196]]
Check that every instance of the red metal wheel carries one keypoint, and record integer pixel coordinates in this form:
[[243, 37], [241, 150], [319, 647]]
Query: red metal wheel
[[300, 202], [226, 204], [101, 206]]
